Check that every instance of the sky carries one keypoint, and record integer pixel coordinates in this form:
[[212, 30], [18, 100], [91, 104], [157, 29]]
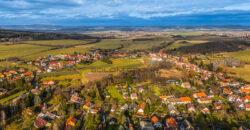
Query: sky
[[125, 12]]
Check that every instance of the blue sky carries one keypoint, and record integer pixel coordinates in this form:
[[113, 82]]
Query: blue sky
[[125, 12]]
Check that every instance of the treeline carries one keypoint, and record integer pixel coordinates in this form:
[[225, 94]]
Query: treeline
[[14, 36], [212, 47]]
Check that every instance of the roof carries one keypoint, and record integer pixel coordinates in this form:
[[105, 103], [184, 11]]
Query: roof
[[171, 122], [88, 104], [201, 94], [185, 99], [245, 90], [154, 119], [71, 121], [227, 91], [142, 105], [40, 123], [186, 84], [133, 95]]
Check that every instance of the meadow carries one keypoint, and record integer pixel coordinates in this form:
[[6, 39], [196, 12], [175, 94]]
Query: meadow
[[241, 72], [11, 97], [64, 42], [243, 56], [20, 50], [182, 43]]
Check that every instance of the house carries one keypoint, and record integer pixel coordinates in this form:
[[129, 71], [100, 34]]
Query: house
[[227, 91], [156, 122], [141, 90], [40, 123], [174, 101], [172, 110], [205, 110], [94, 110], [190, 108], [233, 98], [245, 91], [185, 100], [246, 98], [247, 107], [133, 96], [71, 121], [222, 84], [36, 91], [186, 85], [171, 123], [217, 105], [163, 98], [27, 73], [50, 82], [124, 107], [133, 106], [200, 95], [113, 108], [240, 105], [205, 100], [141, 108], [76, 99], [87, 106]]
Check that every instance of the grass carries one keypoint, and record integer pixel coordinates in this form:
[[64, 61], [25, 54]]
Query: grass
[[64, 42], [72, 50], [241, 72], [179, 43], [63, 77], [6, 64], [110, 43], [180, 89], [217, 98], [59, 73], [243, 56], [11, 97], [20, 50]]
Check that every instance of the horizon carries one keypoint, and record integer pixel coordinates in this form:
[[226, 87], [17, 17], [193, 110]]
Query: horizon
[[124, 13]]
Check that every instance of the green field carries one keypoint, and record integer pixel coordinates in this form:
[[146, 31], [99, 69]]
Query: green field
[[64, 42], [241, 72], [20, 50], [181, 43], [110, 43], [11, 97], [243, 56], [79, 49]]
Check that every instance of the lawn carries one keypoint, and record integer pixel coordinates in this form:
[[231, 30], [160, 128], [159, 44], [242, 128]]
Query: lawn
[[241, 72], [11, 97], [65, 42], [180, 89], [6, 64], [20, 50]]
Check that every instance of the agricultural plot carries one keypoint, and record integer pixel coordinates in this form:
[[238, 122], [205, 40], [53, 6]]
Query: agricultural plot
[[241, 72], [110, 43], [243, 56], [64, 42], [20, 50], [72, 50], [182, 43], [11, 97]]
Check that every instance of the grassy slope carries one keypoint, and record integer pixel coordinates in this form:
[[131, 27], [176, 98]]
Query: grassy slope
[[243, 56], [242, 72], [20, 50], [179, 43]]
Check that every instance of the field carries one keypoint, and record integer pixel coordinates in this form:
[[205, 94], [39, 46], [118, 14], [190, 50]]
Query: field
[[243, 56], [64, 42], [110, 43], [20, 50], [79, 49], [241, 72], [182, 43], [11, 97]]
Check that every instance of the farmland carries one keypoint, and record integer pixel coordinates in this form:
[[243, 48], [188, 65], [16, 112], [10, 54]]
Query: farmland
[[182, 43], [241, 72], [63, 43], [20, 50], [243, 56]]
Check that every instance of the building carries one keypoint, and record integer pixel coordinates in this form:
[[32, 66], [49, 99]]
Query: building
[[141, 108], [186, 85]]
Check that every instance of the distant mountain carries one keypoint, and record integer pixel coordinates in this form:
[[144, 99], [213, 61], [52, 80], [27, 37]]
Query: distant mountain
[[80, 29]]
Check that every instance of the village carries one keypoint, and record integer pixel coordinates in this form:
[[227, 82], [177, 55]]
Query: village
[[181, 104]]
